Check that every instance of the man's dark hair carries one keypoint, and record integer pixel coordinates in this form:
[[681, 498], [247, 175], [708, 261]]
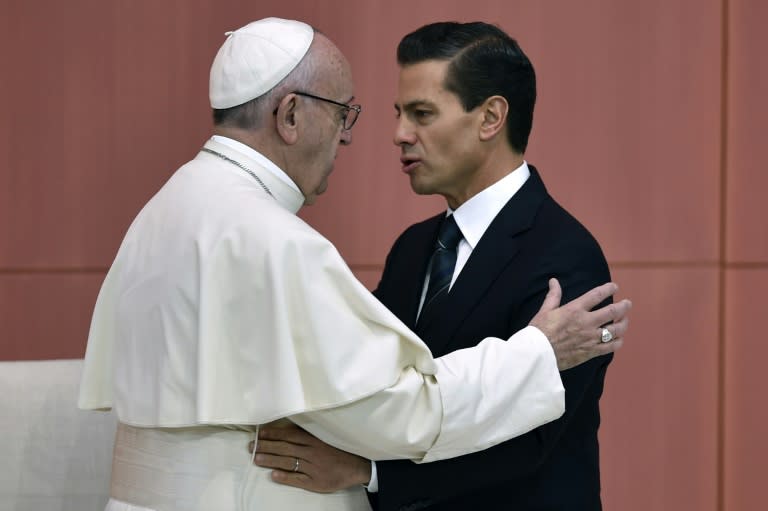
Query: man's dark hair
[[484, 62]]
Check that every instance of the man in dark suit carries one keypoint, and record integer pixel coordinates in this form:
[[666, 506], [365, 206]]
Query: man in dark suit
[[465, 108]]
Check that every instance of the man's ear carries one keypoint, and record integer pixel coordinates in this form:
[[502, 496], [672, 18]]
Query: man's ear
[[494, 110], [286, 122]]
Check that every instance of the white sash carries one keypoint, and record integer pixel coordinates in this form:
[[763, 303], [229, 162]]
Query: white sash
[[205, 469]]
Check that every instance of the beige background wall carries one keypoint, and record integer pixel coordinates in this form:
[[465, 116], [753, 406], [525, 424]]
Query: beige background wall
[[649, 127]]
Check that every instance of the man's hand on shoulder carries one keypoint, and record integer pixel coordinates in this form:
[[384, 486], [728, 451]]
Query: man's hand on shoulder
[[301, 460], [575, 331]]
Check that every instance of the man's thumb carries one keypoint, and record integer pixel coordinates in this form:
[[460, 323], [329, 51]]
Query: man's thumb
[[554, 295]]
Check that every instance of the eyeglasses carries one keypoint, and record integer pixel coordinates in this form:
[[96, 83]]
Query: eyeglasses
[[351, 112]]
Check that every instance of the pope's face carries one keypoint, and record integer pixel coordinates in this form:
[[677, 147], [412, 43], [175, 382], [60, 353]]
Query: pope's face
[[325, 134], [324, 131]]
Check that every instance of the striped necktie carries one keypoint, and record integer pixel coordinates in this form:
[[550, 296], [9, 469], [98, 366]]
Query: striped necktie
[[443, 263]]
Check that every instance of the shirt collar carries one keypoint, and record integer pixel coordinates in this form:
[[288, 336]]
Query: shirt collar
[[474, 216], [258, 157]]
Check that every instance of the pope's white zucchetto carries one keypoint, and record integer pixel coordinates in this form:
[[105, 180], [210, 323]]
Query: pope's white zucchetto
[[255, 58]]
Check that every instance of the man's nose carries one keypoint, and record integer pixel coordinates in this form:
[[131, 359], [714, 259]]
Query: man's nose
[[403, 133]]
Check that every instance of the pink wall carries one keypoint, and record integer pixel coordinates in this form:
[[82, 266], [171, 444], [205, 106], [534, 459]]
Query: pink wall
[[649, 125]]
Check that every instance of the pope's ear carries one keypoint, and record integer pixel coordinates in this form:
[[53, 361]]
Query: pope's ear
[[494, 111], [286, 119]]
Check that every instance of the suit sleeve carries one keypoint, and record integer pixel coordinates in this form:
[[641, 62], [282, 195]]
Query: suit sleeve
[[402, 483]]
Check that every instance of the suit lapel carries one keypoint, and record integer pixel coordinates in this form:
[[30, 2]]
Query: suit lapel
[[413, 273], [495, 251]]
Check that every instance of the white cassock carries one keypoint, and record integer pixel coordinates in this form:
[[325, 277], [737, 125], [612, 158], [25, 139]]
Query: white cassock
[[223, 311]]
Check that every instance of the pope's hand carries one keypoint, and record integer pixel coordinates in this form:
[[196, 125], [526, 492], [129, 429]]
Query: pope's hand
[[575, 331]]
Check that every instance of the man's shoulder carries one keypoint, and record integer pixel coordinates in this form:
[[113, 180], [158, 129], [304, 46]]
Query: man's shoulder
[[553, 218], [560, 223], [556, 231], [563, 245]]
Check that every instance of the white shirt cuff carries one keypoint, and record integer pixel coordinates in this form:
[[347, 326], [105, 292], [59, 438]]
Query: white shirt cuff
[[373, 485]]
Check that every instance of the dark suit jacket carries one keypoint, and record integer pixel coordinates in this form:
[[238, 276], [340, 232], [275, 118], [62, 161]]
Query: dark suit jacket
[[502, 286]]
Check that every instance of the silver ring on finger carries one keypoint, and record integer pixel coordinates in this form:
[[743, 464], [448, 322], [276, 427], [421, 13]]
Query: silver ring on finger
[[296, 465], [606, 335]]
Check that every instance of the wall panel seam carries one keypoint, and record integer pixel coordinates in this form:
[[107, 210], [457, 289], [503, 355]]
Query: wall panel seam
[[722, 277]]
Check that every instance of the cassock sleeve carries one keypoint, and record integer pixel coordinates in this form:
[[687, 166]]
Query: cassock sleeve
[[479, 397], [432, 409]]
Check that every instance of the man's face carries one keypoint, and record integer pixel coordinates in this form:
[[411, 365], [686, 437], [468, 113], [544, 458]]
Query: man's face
[[439, 142]]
